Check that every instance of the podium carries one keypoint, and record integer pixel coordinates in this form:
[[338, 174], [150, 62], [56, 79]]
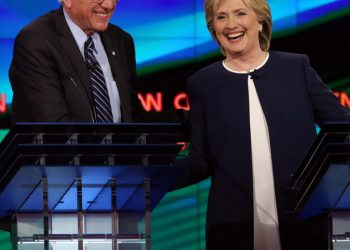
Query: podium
[[322, 183], [85, 186]]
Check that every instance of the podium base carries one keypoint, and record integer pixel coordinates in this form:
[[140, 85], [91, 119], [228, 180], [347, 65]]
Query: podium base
[[63, 233], [340, 230]]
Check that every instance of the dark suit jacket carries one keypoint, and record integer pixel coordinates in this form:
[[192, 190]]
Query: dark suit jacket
[[293, 99], [49, 77]]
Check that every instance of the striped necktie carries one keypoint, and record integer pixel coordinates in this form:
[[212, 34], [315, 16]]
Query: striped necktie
[[98, 84]]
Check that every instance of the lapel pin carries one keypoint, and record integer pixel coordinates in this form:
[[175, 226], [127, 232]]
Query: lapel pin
[[113, 53]]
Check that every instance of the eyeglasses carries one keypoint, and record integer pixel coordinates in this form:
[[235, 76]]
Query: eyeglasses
[[101, 1]]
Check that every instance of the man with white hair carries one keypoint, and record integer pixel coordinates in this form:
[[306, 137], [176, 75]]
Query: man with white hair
[[72, 65]]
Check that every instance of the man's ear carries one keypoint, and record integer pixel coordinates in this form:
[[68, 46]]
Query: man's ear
[[67, 3]]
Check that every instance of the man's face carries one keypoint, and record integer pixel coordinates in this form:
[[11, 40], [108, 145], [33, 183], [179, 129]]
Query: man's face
[[89, 15]]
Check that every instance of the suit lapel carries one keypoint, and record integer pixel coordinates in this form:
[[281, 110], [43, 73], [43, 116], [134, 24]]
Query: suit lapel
[[70, 48], [114, 57]]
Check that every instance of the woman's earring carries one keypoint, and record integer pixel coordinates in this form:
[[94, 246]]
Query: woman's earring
[[260, 27]]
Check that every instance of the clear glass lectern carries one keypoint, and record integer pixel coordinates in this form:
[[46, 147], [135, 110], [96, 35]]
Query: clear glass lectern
[[85, 186], [322, 184]]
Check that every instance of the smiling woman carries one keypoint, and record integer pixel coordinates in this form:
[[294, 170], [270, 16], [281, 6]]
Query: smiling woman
[[265, 135], [219, 17], [237, 30]]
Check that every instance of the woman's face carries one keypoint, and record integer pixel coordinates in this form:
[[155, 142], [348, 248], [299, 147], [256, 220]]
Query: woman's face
[[237, 28]]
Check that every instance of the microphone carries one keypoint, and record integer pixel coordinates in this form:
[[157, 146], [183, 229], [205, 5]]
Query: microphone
[[254, 74]]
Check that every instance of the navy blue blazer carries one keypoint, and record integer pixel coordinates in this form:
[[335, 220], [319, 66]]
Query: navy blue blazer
[[294, 99]]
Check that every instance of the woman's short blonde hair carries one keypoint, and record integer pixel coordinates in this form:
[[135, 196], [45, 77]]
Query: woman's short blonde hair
[[262, 11]]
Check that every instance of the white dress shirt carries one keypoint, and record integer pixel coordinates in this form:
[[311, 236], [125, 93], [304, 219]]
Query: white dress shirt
[[101, 56]]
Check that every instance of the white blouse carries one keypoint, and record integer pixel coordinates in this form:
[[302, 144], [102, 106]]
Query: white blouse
[[266, 231]]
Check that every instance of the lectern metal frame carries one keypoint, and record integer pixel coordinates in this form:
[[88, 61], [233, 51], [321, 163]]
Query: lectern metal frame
[[321, 185], [86, 169]]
